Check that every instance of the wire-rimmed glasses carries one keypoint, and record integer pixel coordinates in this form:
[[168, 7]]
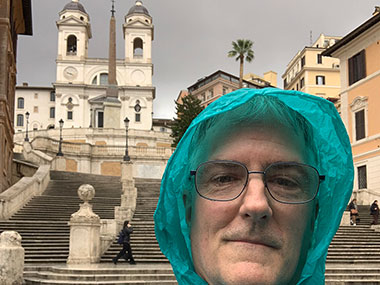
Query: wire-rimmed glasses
[[286, 182]]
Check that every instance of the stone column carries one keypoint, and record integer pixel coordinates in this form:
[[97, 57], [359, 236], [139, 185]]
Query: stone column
[[129, 194], [11, 258], [59, 163], [345, 219], [84, 230]]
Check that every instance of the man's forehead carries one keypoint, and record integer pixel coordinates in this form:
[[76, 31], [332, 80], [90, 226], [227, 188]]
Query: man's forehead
[[216, 140]]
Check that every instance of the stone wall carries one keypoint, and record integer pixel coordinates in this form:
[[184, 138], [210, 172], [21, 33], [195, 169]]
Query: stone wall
[[22, 169]]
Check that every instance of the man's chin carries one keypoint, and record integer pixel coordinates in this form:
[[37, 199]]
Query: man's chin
[[244, 272]]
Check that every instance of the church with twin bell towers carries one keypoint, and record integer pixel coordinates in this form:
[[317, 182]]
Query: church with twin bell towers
[[96, 92]]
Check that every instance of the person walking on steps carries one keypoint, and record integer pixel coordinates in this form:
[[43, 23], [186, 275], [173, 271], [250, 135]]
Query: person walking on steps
[[354, 213], [375, 212], [124, 239]]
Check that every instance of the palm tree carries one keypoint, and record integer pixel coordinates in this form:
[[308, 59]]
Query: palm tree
[[242, 49]]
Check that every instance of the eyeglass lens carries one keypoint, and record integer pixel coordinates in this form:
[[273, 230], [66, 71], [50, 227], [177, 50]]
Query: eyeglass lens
[[286, 182]]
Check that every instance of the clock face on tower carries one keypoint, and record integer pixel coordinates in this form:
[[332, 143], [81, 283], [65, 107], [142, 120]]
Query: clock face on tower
[[70, 72]]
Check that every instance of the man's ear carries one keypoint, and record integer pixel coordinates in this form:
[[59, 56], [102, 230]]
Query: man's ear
[[188, 203]]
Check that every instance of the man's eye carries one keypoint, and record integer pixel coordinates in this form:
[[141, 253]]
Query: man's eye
[[223, 179], [283, 182]]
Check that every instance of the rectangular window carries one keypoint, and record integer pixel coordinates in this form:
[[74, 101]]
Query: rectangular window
[[137, 117], [52, 112], [52, 96], [297, 88], [303, 61], [356, 67], [362, 177], [35, 109], [35, 95], [319, 58], [360, 125], [20, 120], [20, 103], [225, 90], [320, 80], [210, 94], [69, 115], [302, 82], [100, 119]]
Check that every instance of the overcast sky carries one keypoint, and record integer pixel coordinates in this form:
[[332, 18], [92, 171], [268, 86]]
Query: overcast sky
[[192, 38]]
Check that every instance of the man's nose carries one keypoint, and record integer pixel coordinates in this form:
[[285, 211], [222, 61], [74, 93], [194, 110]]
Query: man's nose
[[255, 200]]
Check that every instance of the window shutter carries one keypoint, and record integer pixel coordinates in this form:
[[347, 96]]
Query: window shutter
[[350, 70], [359, 125]]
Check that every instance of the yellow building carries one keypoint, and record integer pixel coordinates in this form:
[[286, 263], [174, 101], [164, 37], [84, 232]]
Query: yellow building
[[358, 53], [312, 73]]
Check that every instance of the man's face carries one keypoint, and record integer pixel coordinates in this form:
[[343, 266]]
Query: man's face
[[252, 239]]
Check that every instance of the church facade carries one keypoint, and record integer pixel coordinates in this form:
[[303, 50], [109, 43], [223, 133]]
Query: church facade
[[77, 95]]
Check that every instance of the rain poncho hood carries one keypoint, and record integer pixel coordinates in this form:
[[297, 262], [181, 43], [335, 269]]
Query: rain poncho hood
[[334, 160]]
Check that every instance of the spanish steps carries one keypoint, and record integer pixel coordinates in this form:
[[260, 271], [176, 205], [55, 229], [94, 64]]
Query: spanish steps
[[354, 253], [353, 257], [43, 225]]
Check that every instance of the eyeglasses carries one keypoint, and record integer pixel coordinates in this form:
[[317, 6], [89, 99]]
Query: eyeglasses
[[286, 182]]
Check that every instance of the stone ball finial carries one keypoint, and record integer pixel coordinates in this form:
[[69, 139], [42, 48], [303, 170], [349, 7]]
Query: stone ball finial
[[86, 192], [10, 239]]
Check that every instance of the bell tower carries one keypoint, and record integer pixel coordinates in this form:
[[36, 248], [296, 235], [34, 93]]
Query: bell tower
[[74, 31], [138, 34]]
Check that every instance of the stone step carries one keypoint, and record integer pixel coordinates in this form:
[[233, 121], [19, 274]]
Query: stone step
[[352, 270]]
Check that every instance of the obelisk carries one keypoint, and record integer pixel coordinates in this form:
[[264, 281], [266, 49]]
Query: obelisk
[[112, 105]]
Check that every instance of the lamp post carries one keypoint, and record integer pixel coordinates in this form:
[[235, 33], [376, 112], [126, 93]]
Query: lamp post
[[27, 123], [59, 153], [90, 117], [126, 124]]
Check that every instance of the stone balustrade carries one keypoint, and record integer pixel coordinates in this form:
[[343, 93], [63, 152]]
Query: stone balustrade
[[15, 197]]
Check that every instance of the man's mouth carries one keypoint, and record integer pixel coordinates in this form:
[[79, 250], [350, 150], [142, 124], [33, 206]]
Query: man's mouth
[[267, 241]]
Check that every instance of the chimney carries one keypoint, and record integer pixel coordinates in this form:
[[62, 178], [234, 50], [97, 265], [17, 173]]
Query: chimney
[[377, 10]]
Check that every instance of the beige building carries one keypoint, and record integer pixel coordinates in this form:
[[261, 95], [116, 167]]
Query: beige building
[[269, 77], [358, 53], [210, 88], [15, 19], [39, 102], [312, 73]]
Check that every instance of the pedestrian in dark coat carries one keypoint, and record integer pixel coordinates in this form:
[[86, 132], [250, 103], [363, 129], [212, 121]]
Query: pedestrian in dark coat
[[375, 212], [354, 213], [124, 239]]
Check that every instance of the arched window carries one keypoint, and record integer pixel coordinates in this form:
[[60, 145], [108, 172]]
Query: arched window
[[137, 47], [35, 127], [72, 45], [20, 103], [100, 79], [103, 78], [20, 120]]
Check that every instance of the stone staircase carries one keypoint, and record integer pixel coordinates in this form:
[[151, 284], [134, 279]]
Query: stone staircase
[[354, 253], [106, 274], [42, 222], [45, 233]]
